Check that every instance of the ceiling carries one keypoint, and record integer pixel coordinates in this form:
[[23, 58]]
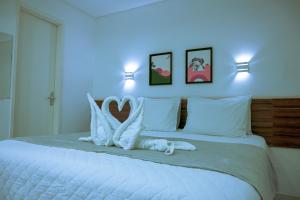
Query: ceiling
[[99, 8]]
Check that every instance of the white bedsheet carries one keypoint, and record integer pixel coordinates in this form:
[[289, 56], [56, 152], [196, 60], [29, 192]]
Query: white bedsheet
[[29, 171]]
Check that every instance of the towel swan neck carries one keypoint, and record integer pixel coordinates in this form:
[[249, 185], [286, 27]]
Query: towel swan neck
[[127, 133], [101, 132], [114, 123]]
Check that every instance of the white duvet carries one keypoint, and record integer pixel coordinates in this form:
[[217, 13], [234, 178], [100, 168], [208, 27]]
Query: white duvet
[[30, 172]]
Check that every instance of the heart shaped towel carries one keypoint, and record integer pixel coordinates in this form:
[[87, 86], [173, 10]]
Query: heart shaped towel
[[107, 130]]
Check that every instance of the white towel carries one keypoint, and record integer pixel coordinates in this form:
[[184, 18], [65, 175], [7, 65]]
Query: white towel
[[101, 132], [107, 130], [113, 122], [164, 145], [127, 133]]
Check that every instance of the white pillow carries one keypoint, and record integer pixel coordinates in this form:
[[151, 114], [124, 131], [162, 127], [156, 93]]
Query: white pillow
[[225, 117], [161, 114]]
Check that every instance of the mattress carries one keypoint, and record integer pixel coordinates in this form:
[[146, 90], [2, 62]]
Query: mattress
[[30, 171]]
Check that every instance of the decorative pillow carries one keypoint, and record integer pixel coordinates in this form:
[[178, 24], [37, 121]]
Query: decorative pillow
[[161, 114], [225, 117]]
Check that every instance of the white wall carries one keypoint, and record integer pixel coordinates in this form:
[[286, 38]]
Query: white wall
[[268, 31], [265, 31], [78, 60], [8, 16]]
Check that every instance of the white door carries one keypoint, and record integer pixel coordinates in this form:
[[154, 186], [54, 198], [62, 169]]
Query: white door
[[35, 76]]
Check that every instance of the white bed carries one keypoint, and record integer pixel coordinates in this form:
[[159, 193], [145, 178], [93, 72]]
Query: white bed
[[30, 171]]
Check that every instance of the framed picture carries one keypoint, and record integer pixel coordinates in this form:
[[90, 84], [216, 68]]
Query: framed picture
[[198, 67], [160, 69]]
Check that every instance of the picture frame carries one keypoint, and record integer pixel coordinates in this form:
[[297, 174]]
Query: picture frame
[[199, 65], [160, 68]]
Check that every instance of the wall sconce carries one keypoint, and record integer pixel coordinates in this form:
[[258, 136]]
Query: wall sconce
[[129, 75], [242, 66]]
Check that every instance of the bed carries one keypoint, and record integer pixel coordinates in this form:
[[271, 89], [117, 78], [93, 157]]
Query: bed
[[58, 167], [35, 171]]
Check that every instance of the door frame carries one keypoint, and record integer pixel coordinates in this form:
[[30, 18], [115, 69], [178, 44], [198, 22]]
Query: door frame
[[58, 65]]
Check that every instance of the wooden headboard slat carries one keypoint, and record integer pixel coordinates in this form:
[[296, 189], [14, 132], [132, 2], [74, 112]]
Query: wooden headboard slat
[[283, 122], [277, 120], [284, 131], [287, 112], [262, 124], [289, 103]]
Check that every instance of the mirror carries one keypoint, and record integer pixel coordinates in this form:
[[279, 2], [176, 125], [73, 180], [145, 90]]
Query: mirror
[[6, 45]]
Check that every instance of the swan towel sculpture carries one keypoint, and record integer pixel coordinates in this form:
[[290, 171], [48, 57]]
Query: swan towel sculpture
[[108, 131]]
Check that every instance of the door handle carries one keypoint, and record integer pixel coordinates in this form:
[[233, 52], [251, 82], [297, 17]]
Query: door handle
[[51, 98]]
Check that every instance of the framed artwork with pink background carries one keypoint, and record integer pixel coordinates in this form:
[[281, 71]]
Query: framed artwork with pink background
[[198, 65]]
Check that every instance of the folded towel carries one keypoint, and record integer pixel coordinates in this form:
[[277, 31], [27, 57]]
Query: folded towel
[[113, 122], [127, 133], [101, 132], [164, 145], [107, 130]]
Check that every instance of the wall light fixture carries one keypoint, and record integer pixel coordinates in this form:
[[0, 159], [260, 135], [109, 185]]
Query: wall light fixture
[[129, 75], [242, 66]]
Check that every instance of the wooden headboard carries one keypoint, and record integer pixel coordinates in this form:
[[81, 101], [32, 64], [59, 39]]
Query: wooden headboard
[[277, 120]]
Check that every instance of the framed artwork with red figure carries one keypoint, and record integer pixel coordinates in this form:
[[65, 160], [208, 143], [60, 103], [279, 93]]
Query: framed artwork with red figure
[[199, 65], [160, 69]]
